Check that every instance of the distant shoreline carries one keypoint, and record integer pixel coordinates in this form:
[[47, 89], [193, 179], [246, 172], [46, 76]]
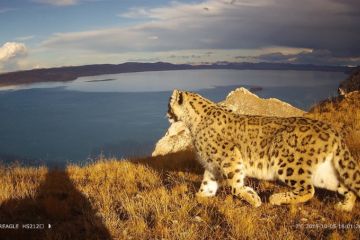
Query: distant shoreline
[[102, 80], [64, 74]]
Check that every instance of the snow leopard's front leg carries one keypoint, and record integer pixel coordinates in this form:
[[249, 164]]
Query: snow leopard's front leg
[[209, 185], [234, 172]]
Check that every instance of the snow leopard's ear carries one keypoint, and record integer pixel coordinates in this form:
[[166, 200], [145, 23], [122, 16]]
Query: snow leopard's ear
[[178, 96]]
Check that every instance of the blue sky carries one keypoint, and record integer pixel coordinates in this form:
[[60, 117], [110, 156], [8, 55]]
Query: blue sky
[[48, 33]]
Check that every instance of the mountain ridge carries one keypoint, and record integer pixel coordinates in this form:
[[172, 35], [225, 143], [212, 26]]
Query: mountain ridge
[[70, 73]]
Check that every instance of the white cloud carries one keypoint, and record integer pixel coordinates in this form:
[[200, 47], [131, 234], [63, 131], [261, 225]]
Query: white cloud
[[10, 54], [12, 50], [227, 24], [153, 37], [24, 38], [58, 2], [176, 10], [62, 3]]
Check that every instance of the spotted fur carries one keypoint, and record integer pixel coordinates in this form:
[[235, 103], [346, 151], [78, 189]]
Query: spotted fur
[[301, 152]]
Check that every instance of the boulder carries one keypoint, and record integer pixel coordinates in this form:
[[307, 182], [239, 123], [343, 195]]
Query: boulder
[[241, 101], [176, 139]]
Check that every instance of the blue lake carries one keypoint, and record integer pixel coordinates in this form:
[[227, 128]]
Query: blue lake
[[123, 115]]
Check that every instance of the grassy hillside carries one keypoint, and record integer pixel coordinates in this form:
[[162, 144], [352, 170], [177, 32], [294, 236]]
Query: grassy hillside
[[154, 198], [343, 113]]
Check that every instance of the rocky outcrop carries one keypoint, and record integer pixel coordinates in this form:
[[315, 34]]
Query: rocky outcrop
[[176, 139], [241, 101], [352, 83]]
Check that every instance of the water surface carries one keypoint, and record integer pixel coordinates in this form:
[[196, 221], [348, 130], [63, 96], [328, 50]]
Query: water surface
[[123, 115]]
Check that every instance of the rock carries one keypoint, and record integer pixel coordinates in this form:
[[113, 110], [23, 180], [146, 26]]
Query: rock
[[176, 139], [198, 219], [241, 101], [352, 83]]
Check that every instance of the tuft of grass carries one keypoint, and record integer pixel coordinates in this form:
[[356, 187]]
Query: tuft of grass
[[18, 182]]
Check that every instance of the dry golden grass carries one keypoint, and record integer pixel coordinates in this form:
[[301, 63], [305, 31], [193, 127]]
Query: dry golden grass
[[344, 114], [126, 200], [154, 198]]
